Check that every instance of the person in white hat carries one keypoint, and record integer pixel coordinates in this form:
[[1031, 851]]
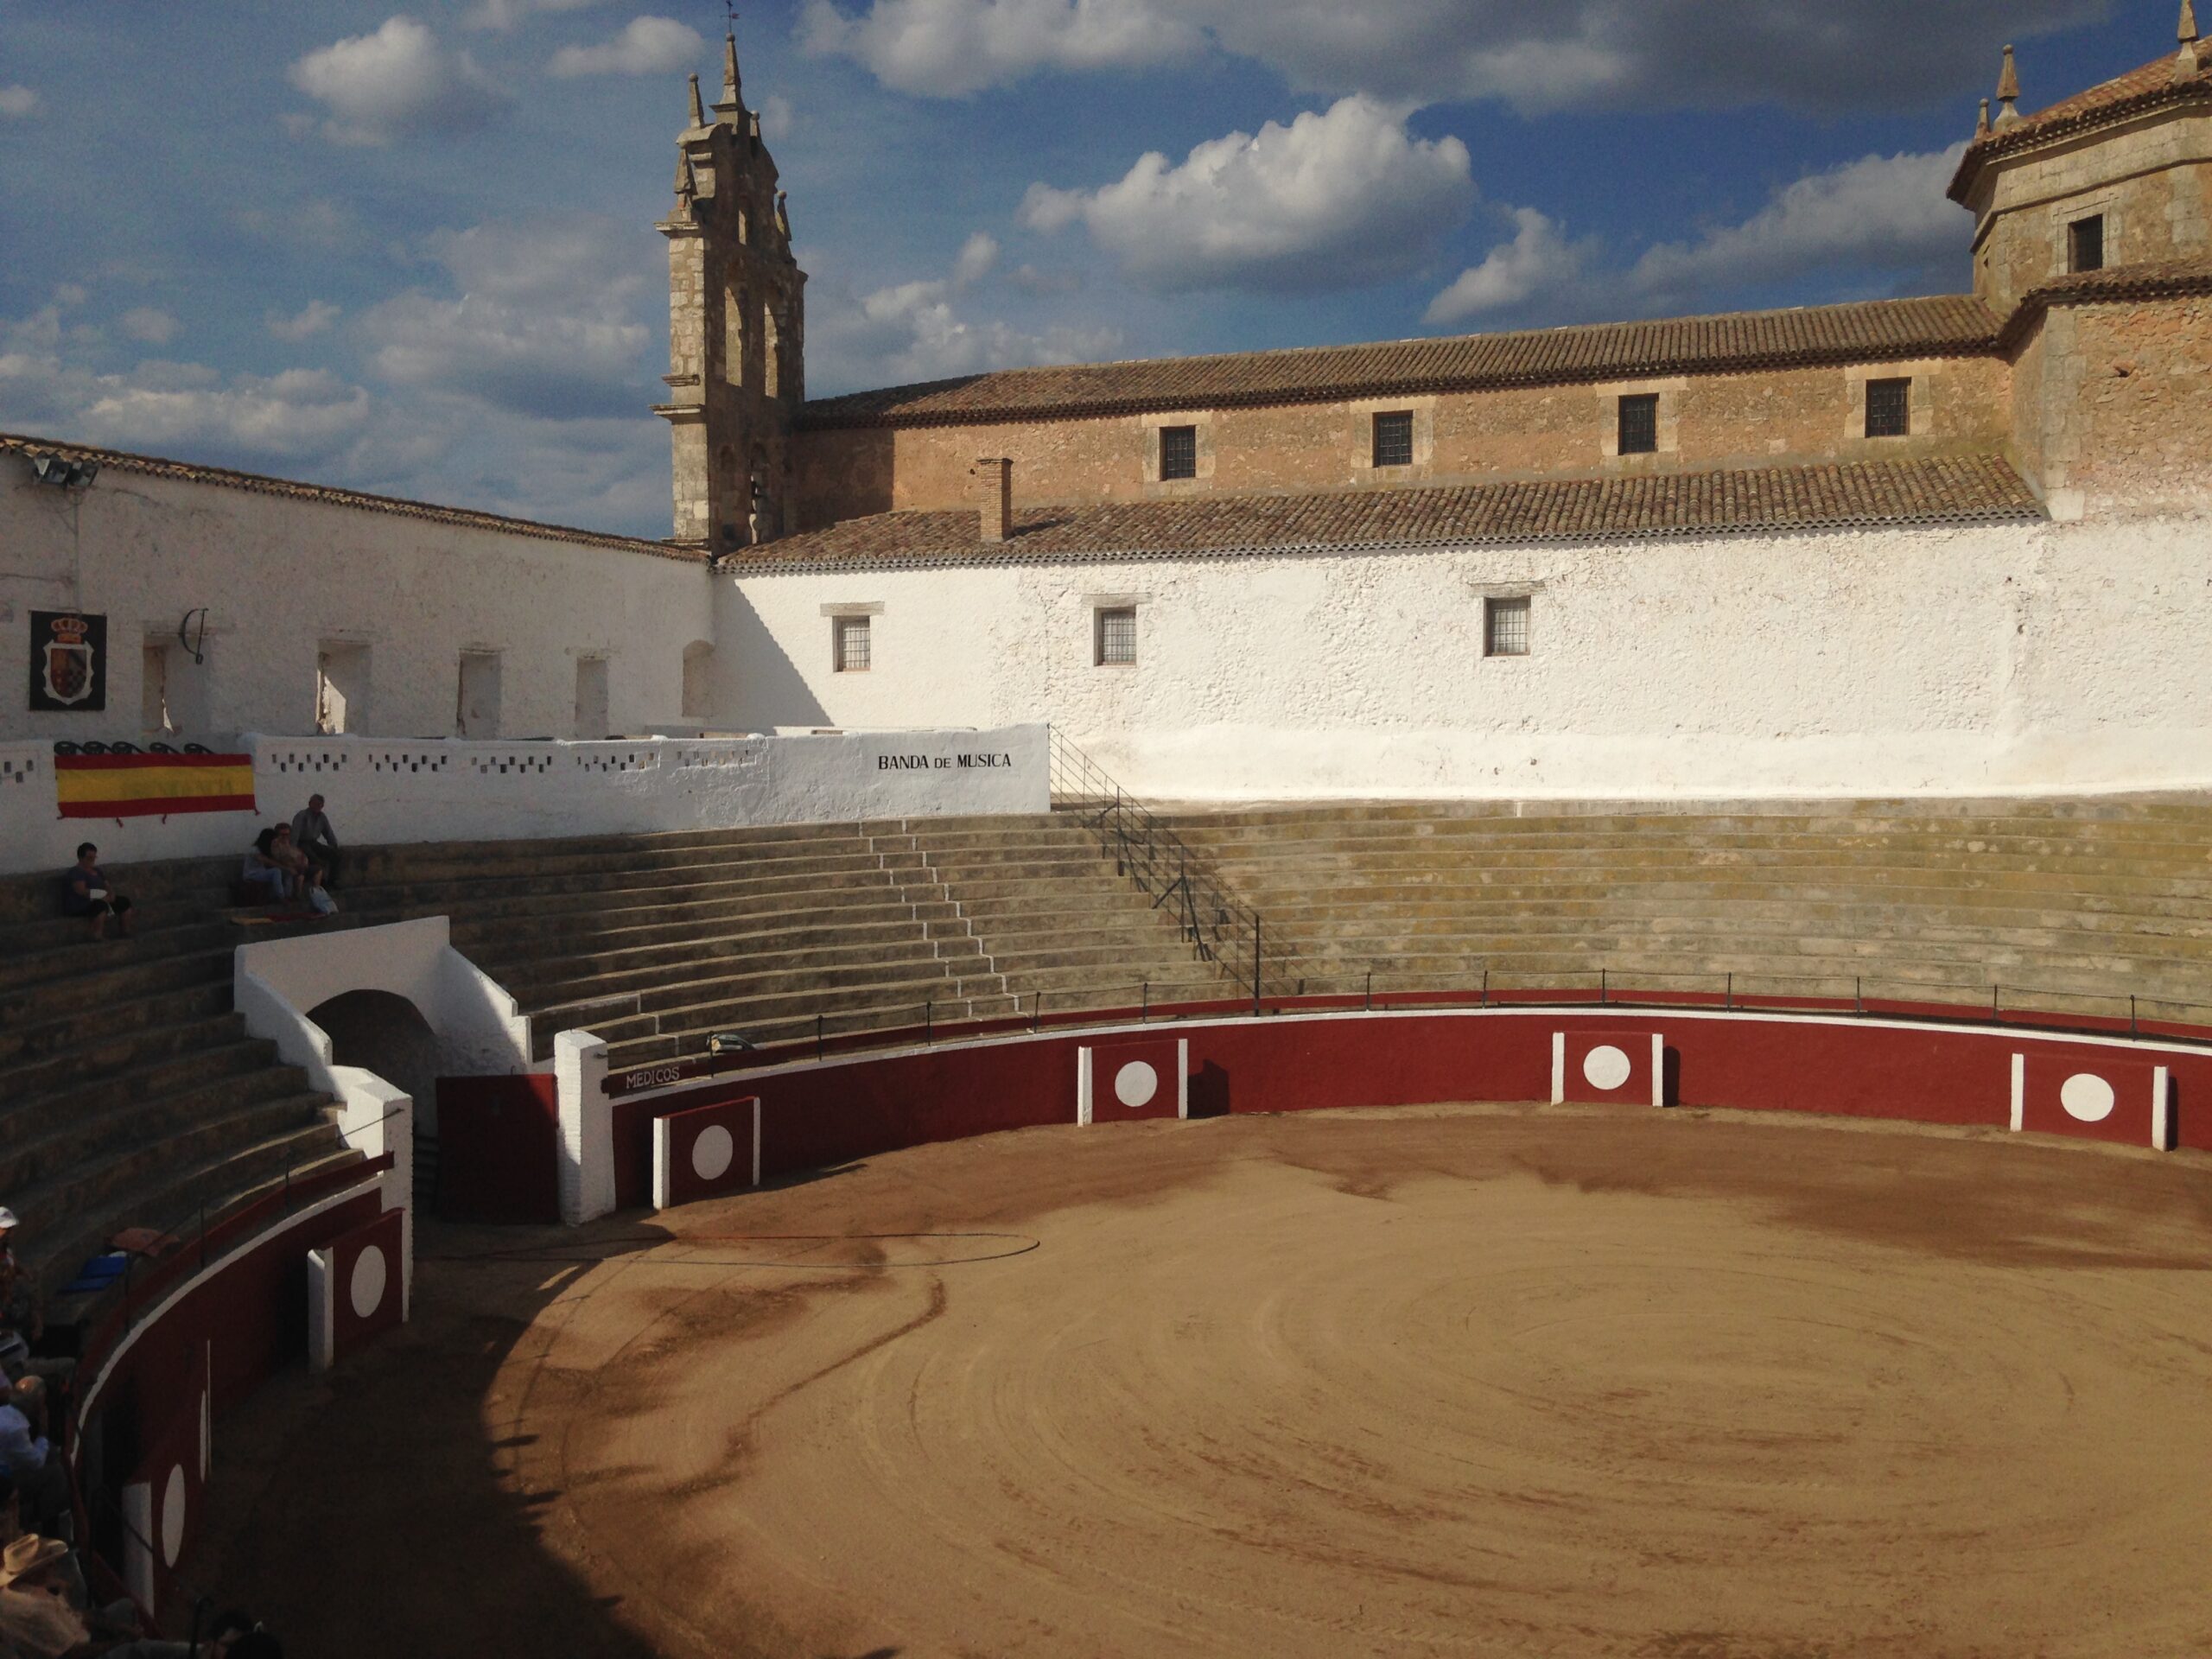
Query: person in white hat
[[36, 1618]]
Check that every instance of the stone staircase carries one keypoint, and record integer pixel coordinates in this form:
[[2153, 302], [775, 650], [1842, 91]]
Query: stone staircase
[[656, 942], [130, 1094], [2070, 907]]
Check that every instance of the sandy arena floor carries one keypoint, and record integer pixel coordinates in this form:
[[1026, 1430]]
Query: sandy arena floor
[[1677, 1386]]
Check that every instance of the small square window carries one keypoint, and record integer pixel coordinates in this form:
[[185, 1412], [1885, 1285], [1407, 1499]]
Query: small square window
[[2085, 243], [1889, 409], [1639, 432], [1393, 439], [1179, 452], [852, 644], [1116, 644], [1505, 626]]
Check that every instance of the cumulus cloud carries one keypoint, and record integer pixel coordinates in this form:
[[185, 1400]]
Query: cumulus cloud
[[646, 46], [1642, 53], [1538, 260], [1334, 200], [505, 14], [978, 254], [777, 117], [150, 324], [396, 83], [312, 318], [18, 102], [948, 49]]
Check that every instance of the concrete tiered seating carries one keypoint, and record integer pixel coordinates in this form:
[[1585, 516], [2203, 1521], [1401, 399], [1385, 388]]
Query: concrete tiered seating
[[130, 1093], [653, 942], [2071, 906]]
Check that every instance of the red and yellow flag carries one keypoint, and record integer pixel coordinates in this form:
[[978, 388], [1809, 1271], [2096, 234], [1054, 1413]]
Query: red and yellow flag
[[141, 785]]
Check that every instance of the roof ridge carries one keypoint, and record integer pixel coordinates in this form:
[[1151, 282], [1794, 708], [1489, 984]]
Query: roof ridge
[[333, 494]]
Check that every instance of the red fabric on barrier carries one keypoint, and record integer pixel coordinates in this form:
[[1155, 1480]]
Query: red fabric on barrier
[[2108, 1096], [499, 1148], [1611, 1065], [704, 1151], [1137, 1078]]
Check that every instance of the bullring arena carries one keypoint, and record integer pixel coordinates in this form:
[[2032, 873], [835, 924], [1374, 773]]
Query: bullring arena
[[1540, 993]]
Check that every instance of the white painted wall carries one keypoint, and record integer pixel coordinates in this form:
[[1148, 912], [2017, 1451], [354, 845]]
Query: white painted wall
[[1962, 661], [280, 577], [382, 791]]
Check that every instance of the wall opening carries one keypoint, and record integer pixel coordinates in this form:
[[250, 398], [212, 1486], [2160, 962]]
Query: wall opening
[[153, 717], [772, 367], [342, 685], [733, 303], [698, 680], [591, 698], [476, 700], [384, 1033]]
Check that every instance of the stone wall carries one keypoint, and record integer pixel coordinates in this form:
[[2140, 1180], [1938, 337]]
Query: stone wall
[[2124, 409], [1778, 418]]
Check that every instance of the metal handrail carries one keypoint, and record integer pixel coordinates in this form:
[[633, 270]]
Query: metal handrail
[[1226, 932]]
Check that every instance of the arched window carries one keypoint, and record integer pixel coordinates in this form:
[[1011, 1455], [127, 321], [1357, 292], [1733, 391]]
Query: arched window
[[734, 307]]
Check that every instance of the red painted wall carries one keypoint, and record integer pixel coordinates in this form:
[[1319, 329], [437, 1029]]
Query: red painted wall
[[499, 1149]]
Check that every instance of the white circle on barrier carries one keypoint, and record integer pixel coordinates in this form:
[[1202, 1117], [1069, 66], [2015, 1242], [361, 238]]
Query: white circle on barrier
[[2088, 1097], [1605, 1067], [366, 1286], [1135, 1084], [172, 1516], [713, 1153]]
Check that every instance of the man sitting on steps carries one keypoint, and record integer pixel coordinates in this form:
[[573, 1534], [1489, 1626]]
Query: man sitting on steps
[[85, 893], [313, 835]]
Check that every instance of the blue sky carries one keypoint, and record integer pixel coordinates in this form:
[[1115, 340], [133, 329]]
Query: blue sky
[[412, 250]]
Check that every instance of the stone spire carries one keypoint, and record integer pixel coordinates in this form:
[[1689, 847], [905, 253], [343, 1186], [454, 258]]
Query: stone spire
[[784, 214], [699, 115], [2190, 59], [687, 188], [1981, 127], [732, 98], [2008, 91]]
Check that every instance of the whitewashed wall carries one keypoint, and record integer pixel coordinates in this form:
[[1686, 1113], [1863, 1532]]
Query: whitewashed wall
[[1964, 661], [279, 577], [383, 791]]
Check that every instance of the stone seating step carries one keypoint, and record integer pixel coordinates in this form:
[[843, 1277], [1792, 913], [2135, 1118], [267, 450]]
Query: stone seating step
[[496, 946], [110, 985], [40, 1141], [19, 1042], [572, 982], [40, 952], [103, 1054], [78, 1097]]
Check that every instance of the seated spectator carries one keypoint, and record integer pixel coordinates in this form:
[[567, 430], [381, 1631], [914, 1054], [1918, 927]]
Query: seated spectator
[[21, 1323], [313, 835], [41, 1481], [37, 1620], [302, 868], [85, 893], [267, 876]]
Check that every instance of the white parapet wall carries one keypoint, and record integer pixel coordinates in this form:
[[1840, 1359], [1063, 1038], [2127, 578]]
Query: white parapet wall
[[391, 790]]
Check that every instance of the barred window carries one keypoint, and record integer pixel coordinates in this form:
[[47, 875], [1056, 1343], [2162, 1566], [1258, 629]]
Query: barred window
[[1393, 439], [2085, 243], [1889, 409], [1179, 452], [1116, 644], [1639, 430], [851, 644], [1505, 626]]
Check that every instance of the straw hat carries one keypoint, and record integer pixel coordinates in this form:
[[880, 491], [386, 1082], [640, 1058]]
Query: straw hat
[[27, 1556]]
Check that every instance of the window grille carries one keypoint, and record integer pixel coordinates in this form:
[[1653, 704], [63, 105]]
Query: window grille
[[1117, 637], [2085, 243], [853, 649], [1889, 409], [1505, 627], [1393, 440], [1179, 452], [1639, 431]]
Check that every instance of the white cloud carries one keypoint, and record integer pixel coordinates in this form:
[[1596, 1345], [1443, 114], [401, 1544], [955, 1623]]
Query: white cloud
[[646, 46], [313, 319], [1539, 259], [149, 323], [577, 263], [505, 14], [978, 254], [18, 102], [1885, 212], [777, 117], [1332, 200], [947, 48], [394, 84]]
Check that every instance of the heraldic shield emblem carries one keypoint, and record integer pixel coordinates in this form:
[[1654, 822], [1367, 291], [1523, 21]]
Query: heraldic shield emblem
[[68, 661]]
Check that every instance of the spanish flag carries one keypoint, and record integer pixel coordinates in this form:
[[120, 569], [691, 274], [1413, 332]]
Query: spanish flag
[[141, 785]]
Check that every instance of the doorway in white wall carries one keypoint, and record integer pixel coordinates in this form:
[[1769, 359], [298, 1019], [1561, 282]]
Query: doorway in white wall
[[342, 685], [154, 690], [476, 702], [591, 698]]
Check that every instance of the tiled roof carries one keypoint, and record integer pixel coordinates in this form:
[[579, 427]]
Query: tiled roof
[[2138, 91], [1964, 490], [124, 461], [2168, 279], [1870, 331]]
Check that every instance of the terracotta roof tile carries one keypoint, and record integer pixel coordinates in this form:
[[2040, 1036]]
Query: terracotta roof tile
[[2152, 86], [1871, 331], [152, 465], [1963, 490]]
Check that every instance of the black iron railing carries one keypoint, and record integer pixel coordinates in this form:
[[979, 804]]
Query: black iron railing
[[1223, 930]]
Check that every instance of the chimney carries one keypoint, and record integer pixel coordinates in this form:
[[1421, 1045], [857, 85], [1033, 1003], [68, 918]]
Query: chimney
[[994, 488]]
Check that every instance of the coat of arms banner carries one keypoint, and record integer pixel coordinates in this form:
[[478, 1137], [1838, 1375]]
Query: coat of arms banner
[[68, 662]]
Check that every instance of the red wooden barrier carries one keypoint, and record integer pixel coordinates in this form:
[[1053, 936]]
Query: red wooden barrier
[[706, 1151], [356, 1288], [498, 1147]]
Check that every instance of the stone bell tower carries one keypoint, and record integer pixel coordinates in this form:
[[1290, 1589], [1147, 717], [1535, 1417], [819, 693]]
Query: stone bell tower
[[737, 332]]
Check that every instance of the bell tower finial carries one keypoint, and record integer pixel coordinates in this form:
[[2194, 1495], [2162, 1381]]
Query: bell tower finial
[[698, 114], [2190, 59], [2008, 91], [1981, 126], [732, 98]]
